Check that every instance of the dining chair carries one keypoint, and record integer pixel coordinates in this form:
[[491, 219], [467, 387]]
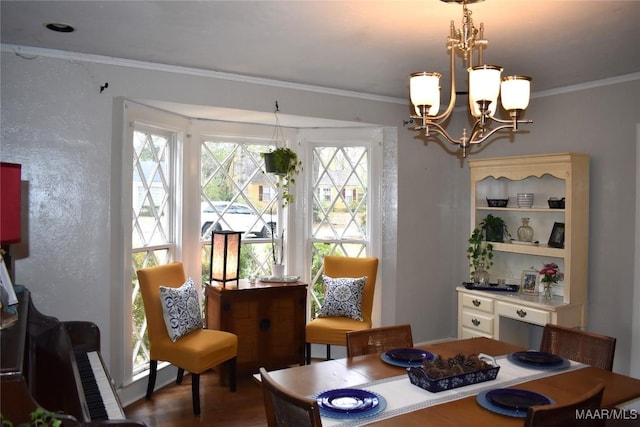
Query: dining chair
[[284, 408], [377, 340], [582, 346], [196, 350], [332, 330], [566, 414]]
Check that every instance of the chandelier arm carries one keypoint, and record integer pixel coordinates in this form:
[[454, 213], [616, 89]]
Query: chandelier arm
[[452, 100], [435, 127], [489, 134]]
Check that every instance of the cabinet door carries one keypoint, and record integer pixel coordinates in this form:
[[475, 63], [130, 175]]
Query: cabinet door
[[240, 315], [281, 324]]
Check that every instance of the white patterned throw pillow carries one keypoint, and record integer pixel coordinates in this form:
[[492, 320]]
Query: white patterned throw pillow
[[180, 309], [343, 297]]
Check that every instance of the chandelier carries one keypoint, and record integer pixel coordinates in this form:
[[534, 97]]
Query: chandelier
[[485, 85]]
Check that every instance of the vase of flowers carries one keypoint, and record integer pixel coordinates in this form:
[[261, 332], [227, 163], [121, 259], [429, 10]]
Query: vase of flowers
[[550, 275]]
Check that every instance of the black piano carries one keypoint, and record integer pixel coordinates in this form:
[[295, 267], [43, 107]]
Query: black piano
[[57, 366]]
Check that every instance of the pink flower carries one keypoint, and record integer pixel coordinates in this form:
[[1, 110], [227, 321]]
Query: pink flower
[[550, 273]]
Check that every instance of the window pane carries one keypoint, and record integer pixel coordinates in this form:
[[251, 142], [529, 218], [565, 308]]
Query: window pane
[[237, 195], [339, 221]]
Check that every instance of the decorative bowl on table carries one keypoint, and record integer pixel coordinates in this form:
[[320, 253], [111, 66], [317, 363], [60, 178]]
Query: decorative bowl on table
[[459, 371], [497, 203]]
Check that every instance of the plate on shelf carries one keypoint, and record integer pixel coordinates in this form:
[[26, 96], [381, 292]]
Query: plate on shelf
[[350, 403], [512, 402], [406, 357], [538, 360], [285, 279]]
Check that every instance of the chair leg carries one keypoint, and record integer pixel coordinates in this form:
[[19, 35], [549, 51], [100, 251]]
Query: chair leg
[[328, 352], [232, 373], [179, 376], [195, 392], [153, 367], [308, 353]]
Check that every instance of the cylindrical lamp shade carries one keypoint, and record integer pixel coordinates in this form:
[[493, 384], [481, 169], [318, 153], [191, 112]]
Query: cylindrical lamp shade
[[515, 92], [424, 89], [10, 203], [225, 256], [484, 83]]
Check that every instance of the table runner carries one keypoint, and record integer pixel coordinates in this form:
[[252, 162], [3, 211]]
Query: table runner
[[403, 397]]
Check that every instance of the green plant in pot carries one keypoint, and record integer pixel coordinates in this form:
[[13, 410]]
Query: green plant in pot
[[480, 255], [283, 162], [494, 228]]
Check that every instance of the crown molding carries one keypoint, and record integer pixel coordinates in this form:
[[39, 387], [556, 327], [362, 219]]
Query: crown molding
[[28, 52]]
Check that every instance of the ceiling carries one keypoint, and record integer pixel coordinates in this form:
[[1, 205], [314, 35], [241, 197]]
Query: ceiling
[[363, 46]]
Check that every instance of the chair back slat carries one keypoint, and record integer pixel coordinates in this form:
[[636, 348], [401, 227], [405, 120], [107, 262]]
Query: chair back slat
[[377, 340], [284, 408], [582, 346], [566, 414]]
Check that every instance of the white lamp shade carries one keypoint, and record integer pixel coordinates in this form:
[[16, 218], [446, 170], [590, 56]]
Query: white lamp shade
[[424, 89], [225, 256], [515, 92], [484, 83]]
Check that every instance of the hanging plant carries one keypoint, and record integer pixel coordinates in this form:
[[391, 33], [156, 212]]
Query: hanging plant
[[284, 163]]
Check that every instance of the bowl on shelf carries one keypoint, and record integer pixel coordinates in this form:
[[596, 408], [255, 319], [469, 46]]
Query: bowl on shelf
[[524, 200], [497, 203], [555, 203]]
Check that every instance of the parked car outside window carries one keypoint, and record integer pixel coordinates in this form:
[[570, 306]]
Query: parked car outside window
[[226, 216]]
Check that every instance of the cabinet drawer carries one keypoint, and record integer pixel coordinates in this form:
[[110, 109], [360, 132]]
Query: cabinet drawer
[[477, 303], [474, 320], [523, 313]]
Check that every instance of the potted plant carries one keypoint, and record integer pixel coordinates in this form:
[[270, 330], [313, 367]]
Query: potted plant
[[283, 162], [494, 228], [480, 255]]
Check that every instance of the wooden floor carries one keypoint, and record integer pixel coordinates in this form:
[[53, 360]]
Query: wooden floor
[[171, 405]]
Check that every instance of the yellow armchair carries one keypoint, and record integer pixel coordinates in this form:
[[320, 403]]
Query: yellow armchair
[[197, 351], [333, 330]]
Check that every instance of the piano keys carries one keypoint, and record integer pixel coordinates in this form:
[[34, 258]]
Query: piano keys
[[56, 365]]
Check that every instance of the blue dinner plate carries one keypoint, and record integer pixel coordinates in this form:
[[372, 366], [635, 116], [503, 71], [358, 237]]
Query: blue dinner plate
[[350, 403], [511, 402], [406, 357], [538, 360]]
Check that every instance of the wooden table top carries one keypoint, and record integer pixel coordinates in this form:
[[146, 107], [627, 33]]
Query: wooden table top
[[350, 372]]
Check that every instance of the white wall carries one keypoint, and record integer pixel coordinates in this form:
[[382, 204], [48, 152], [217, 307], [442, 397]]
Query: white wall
[[56, 123]]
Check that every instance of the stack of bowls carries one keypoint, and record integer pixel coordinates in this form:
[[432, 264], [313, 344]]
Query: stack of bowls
[[525, 200]]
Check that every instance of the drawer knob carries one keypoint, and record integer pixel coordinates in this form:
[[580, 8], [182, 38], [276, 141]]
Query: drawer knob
[[521, 313], [475, 322], [476, 302]]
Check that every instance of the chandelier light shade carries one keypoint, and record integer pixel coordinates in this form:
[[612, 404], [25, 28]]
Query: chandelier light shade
[[225, 257], [485, 87]]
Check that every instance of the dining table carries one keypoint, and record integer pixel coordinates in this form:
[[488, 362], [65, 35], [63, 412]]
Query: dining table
[[463, 409]]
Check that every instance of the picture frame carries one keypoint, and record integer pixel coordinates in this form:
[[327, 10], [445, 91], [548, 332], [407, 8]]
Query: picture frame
[[556, 239], [529, 281]]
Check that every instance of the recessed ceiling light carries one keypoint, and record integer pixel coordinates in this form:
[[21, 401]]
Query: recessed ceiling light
[[60, 28]]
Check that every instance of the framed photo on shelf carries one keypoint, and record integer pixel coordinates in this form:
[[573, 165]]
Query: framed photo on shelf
[[529, 281], [556, 239]]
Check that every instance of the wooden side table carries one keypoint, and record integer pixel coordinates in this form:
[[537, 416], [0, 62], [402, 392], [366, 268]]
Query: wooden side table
[[268, 318]]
